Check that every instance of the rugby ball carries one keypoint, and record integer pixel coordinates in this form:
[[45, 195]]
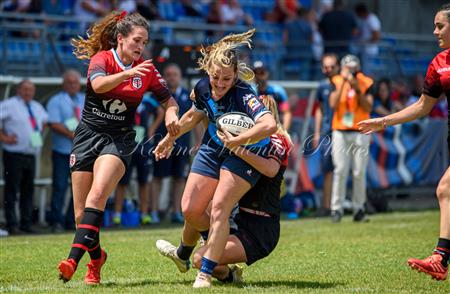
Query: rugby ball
[[234, 122]]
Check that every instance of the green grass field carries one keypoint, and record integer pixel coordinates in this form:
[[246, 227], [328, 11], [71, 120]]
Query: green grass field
[[313, 255]]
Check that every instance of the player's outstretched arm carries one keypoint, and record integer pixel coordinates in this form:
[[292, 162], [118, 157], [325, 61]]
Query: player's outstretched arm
[[187, 122], [421, 108]]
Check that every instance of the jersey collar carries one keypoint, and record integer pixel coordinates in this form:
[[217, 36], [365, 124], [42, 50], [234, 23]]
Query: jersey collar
[[119, 62]]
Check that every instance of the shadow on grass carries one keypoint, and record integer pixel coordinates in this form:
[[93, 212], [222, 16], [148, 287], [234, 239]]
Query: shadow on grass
[[293, 284], [139, 283], [260, 284]]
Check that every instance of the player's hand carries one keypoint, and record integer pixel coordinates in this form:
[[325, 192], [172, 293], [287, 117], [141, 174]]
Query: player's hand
[[141, 69], [164, 148], [192, 95], [370, 126], [316, 140], [228, 140], [9, 139], [172, 125]]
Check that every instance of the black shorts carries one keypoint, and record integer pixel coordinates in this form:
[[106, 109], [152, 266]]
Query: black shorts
[[143, 164], [176, 166], [88, 145], [258, 234]]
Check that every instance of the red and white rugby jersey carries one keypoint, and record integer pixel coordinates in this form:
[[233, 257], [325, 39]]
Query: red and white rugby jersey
[[437, 81], [114, 110]]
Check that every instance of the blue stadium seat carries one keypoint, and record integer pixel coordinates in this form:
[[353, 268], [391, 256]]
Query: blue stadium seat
[[167, 9]]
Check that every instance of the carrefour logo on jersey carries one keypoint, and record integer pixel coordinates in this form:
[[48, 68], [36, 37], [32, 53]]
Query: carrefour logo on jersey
[[114, 107]]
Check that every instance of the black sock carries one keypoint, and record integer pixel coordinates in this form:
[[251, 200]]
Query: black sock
[[204, 235], [87, 235], [184, 252], [443, 248], [96, 251], [229, 278]]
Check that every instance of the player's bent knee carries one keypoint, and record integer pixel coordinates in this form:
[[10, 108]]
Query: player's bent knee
[[191, 214], [443, 191]]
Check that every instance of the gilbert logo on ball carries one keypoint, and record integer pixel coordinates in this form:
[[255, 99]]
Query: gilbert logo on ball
[[234, 122]]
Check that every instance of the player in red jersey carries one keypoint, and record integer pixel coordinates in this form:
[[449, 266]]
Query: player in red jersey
[[437, 81], [104, 140]]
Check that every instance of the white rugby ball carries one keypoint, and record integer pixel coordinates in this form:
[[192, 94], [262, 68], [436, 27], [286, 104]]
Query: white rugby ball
[[234, 122]]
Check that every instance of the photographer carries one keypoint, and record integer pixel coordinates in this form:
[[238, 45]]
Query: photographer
[[352, 102]]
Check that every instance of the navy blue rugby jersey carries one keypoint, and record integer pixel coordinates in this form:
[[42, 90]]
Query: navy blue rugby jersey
[[241, 98]]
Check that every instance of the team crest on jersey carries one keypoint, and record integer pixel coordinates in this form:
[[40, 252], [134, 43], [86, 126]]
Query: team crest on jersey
[[247, 97], [253, 103], [72, 160], [136, 82]]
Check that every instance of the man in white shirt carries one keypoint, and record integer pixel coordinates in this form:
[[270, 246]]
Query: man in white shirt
[[22, 121], [369, 28]]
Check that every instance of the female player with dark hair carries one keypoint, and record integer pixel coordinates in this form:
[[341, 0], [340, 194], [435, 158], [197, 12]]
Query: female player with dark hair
[[215, 173], [437, 81], [104, 141]]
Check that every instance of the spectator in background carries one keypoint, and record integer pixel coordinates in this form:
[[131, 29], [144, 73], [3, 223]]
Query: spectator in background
[[283, 10], [298, 37], [382, 103], [177, 165], [214, 17], [401, 92], [191, 9], [416, 89], [148, 9], [322, 127], [141, 158], [338, 27], [22, 121], [277, 92], [352, 102], [233, 14], [369, 32], [129, 6], [317, 42], [89, 11], [64, 111]]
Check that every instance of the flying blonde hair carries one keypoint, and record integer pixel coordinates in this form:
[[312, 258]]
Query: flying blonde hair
[[271, 105], [103, 34], [223, 53]]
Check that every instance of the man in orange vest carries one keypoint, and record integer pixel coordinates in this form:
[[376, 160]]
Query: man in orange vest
[[352, 102]]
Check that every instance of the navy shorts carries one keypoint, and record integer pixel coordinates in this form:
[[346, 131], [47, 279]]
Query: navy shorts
[[208, 161], [175, 166], [88, 145], [143, 163], [259, 235], [325, 152]]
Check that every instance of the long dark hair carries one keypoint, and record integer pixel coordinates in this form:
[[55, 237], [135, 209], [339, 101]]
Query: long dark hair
[[103, 34], [446, 9]]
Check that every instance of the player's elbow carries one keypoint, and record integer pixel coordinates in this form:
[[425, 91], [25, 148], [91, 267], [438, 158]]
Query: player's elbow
[[271, 169], [97, 86], [271, 125]]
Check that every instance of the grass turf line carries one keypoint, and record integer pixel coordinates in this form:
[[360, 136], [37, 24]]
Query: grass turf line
[[313, 255]]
